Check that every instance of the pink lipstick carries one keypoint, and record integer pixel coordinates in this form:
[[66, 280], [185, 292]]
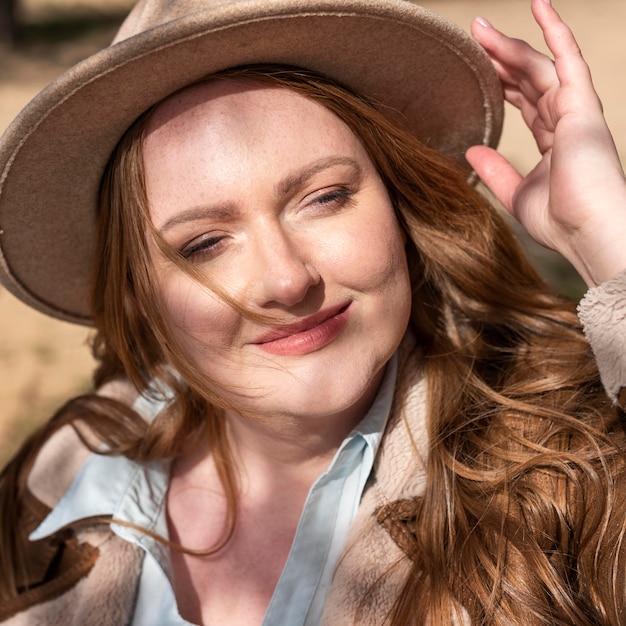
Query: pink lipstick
[[306, 335]]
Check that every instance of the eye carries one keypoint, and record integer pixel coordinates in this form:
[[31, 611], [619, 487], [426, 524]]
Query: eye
[[337, 198], [205, 246]]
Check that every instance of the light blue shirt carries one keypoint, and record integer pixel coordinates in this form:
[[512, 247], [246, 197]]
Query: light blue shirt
[[136, 493]]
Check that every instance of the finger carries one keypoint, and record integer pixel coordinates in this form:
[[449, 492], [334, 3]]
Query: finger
[[557, 34], [536, 119], [511, 82], [570, 66], [528, 108], [516, 62], [496, 172]]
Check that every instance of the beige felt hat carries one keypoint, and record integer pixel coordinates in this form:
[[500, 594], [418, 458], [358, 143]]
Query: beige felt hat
[[53, 155]]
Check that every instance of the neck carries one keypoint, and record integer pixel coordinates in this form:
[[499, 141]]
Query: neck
[[289, 446], [293, 446], [281, 456]]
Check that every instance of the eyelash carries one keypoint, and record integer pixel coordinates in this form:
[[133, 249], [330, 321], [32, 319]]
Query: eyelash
[[341, 197], [204, 246]]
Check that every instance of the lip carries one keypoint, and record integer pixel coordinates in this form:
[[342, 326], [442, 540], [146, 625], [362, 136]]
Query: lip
[[306, 335]]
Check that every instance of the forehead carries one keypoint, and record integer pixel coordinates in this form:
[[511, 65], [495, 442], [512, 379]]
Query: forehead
[[241, 110], [236, 142]]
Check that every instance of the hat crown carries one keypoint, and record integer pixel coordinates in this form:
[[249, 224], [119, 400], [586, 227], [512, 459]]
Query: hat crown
[[147, 14]]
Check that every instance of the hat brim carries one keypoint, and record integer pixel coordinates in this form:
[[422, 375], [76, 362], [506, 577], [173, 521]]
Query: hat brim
[[53, 156]]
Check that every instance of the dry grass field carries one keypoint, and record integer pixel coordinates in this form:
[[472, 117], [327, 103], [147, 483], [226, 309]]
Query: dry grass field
[[43, 361]]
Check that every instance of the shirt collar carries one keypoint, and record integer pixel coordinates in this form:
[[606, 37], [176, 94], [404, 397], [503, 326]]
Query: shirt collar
[[371, 427]]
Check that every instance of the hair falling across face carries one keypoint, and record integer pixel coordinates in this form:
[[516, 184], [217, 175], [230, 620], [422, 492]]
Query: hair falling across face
[[245, 277], [270, 197]]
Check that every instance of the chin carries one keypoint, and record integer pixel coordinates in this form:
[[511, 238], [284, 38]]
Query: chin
[[330, 394]]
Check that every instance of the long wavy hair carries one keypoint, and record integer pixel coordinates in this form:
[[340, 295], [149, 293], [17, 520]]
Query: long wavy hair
[[516, 524]]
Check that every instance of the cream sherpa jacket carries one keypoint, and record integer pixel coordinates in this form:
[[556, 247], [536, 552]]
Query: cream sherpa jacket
[[100, 571]]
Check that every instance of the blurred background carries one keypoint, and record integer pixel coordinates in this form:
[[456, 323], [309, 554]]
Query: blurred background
[[43, 362]]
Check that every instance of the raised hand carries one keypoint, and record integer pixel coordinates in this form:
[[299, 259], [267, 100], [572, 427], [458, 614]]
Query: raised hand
[[574, 200]]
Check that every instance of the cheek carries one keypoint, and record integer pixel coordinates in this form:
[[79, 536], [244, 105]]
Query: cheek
[[385, 279], [199, 321], [374, 258]]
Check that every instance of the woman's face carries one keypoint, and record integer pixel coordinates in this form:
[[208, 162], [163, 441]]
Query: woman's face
[[273, 198]]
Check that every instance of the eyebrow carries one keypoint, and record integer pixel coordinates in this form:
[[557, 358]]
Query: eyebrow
[[218, 213], [296, 180], [284, 187]]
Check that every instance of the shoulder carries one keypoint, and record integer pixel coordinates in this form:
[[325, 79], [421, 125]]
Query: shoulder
[[65, 565], [66, 451], [603, 315], [85, 577]]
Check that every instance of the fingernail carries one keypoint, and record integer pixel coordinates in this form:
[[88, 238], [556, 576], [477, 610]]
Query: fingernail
[[483, 22], [548, 2]]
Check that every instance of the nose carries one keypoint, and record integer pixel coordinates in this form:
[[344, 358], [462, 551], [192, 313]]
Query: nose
[[283, 274]]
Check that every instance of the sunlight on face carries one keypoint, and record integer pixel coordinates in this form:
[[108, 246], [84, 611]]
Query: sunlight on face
[[274, 199]]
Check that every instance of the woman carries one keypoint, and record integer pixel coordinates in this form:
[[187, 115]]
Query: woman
[[331, 388]]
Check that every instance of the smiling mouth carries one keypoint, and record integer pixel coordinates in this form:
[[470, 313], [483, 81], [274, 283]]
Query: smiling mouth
[[307, 335]]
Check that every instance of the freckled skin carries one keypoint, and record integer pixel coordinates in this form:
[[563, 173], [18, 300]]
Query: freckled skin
[[299, 222]]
